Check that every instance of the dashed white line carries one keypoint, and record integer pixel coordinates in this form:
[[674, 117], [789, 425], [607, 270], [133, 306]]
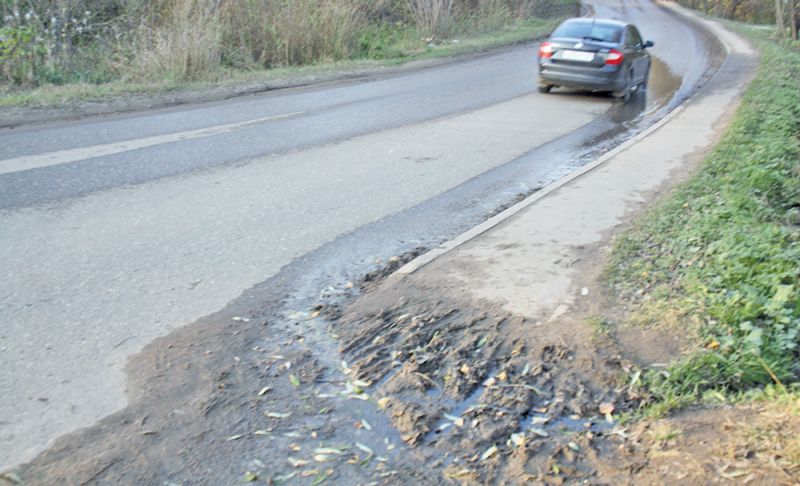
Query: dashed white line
[[28, 162]]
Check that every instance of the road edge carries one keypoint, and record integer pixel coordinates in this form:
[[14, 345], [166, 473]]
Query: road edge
[[133, 104]]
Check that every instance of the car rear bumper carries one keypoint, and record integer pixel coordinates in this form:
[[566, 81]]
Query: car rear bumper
[[608, 78]]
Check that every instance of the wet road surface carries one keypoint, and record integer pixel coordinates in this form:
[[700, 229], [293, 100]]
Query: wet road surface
[[119, 230]]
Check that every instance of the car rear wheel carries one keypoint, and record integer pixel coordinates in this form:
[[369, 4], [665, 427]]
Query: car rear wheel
[[643, 84], [626, 94]]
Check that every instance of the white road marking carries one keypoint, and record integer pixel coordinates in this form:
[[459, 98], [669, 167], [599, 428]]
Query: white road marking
[[28, 162]]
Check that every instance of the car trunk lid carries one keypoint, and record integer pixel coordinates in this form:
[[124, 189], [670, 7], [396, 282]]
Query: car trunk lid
[[587, 53]]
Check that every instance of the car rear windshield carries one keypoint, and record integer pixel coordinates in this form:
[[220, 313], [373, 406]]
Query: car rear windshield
[[590, 31]]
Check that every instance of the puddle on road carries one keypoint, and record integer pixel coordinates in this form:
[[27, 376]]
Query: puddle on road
[[664, 92], [663, 86]]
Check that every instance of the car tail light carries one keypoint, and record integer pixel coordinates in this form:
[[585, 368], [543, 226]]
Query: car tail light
[[614, 57], [546, 50]]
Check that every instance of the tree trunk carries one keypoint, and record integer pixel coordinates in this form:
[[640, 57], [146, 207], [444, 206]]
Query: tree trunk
[[779, 25], [793, 18]]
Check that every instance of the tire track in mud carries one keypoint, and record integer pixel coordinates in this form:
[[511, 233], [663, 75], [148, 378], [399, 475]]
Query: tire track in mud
[[483, 395]]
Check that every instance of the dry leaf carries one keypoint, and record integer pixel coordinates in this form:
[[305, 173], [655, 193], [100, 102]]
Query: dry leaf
[[364, 448], [539, 432], [606, 408], [453, 473], [328, 450], [489, 453]]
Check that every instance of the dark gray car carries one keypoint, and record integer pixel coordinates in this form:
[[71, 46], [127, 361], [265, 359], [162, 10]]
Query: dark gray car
[[595, 55]]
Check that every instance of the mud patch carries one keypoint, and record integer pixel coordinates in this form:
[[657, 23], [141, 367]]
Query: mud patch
[[235, 398], [480, 393]]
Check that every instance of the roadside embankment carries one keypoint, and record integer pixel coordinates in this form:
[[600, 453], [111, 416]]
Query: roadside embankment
[[718, 260], [87, 57]]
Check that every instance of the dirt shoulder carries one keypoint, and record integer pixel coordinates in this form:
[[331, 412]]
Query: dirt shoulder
[[13, 116], [82, 101]]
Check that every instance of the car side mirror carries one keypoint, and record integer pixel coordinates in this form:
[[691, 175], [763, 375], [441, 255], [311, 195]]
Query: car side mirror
[[648, 44]]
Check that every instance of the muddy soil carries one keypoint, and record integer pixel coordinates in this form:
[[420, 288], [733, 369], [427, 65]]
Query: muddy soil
[[480, 393], [237, 397], [404, 381], [428, 386]]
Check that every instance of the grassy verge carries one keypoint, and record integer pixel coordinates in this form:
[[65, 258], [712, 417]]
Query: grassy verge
[[401, 53], [723, 252]]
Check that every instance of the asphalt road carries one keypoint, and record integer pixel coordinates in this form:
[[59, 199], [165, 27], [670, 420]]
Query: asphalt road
[[115, 231]]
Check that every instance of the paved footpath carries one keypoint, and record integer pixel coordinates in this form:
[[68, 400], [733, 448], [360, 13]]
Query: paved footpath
[[527, 257]]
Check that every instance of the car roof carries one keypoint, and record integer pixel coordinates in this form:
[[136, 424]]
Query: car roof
[[591, 20]]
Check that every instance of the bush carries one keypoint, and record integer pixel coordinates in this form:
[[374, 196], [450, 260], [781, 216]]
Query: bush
[[187, 46]]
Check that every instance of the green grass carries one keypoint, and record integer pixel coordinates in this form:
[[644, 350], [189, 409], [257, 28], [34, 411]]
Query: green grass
[[389, 48], [600, 327], [724, 249]]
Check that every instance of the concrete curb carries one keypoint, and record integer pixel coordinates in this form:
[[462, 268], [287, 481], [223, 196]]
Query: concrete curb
[[496, 220]]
